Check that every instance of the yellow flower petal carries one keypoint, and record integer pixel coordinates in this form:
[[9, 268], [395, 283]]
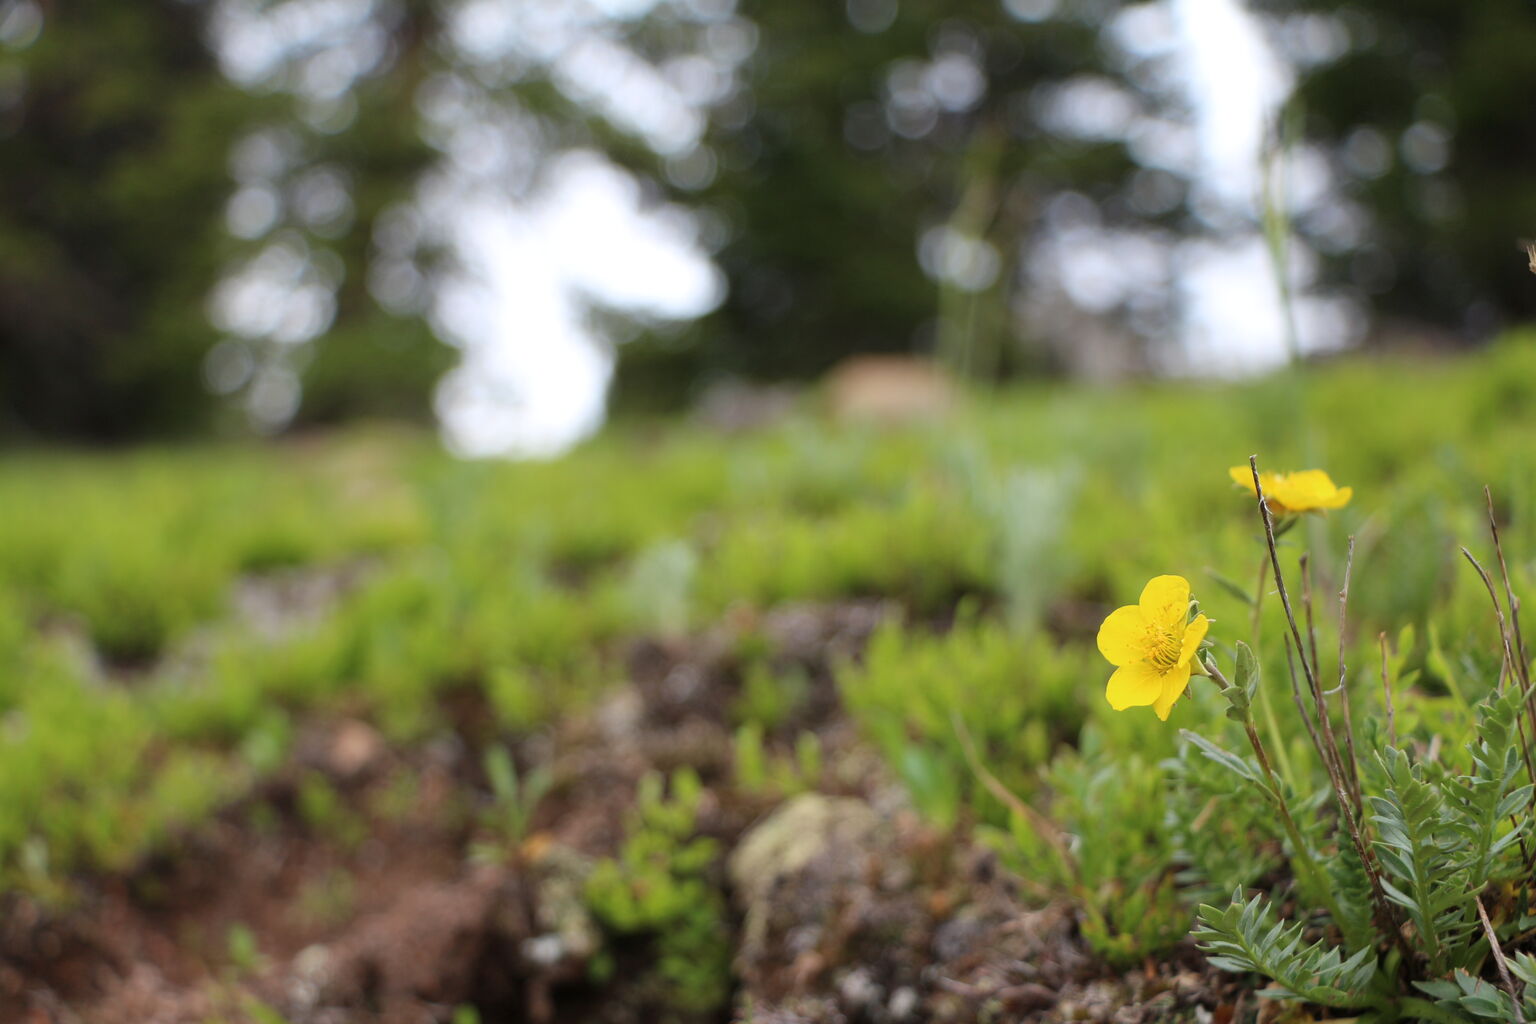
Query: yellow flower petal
[[1165, 601], [1243, 476], [1310, 481], [1122, 637], [1273, 484], [1135, 686], [1312, 488], [1198, 626], [1174, 682], [1306, 490]]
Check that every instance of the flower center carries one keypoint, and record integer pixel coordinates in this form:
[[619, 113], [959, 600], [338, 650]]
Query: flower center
[[1163, 647]]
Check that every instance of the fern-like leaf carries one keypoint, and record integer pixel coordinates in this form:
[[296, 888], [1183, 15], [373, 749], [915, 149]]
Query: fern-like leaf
[[1417, 853], [1249, 937]]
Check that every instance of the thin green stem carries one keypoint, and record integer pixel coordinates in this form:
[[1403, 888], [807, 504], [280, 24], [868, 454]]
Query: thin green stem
[[1258, 600], [1272, 726], [1266, 706], [1386, 917], [1306, 864]]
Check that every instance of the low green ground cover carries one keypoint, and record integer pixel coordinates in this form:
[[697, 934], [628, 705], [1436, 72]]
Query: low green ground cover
[[137, 697]]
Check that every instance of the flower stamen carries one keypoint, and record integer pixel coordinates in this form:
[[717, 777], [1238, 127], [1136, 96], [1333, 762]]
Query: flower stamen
[[1153, 645], [1163, 648]]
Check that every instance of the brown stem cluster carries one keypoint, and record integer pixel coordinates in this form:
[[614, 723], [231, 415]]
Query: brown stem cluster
[[1343, 780]]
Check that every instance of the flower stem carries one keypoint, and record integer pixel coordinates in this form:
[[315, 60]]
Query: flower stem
[[1305, 862], [1266, 706], [1328, 751]]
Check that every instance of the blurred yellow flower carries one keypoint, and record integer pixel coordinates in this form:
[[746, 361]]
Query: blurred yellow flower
[[1306, 490], [1152, 644]]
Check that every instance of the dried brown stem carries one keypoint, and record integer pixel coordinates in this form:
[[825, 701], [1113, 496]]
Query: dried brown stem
[[1508, 666], [1301, 704], [1498, 613], [1330, 749], [1523, 661], [1293, 831], [1521, 656], [1348, 716], [1498, 958], [1274, 560], [1044, 826], [1386, 917], [1304, 563]]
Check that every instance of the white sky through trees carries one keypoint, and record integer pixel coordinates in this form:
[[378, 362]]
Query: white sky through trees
[[542, 239]]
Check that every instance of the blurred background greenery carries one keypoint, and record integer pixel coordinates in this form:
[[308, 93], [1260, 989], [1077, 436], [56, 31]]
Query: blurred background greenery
[[795, 565], [234, 214]]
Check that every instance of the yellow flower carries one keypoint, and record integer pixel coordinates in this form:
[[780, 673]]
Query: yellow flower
[[1306, 490], [1152, 644]]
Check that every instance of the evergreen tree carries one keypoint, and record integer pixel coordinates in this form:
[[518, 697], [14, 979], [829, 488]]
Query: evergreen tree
[[1424, 111], [876, 154], [115, 123]]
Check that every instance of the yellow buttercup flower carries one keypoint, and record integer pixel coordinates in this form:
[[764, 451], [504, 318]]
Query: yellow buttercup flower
[[1152, 645], [1306, 490]]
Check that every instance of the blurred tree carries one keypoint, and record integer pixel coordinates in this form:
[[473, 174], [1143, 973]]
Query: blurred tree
[[115, 122], [410, 114], [877, 194], [121, 131], [1422, 109], [875, 175], [332, 174], [871, 175], [374, 360]]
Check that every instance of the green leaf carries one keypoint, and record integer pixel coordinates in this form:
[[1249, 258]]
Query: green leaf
[[1230, 585], [1239, 766], [1248, 936]]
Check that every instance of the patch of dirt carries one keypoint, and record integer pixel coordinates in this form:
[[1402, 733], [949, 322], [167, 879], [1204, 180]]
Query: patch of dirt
[[276, 603], [700, 679], [170, 930], [269, 606], [386, 902]]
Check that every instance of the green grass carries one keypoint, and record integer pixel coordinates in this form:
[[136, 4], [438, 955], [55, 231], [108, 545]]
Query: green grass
[[135, 702]]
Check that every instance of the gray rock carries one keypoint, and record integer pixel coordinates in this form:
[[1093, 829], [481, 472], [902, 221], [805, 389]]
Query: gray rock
[[796, 866]]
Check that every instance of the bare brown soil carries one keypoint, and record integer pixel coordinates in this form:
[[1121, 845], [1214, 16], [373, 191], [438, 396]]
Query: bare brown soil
[[387, 910]]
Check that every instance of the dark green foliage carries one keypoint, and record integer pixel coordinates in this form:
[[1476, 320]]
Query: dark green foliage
[[1485, 1000], [1225, 846], [1246, 936], [1443, 837], [112, 232], [825, 203], [119, 146], [372, 362], [118, 129], [660, 886], [1017, 701], [1421, 84]]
